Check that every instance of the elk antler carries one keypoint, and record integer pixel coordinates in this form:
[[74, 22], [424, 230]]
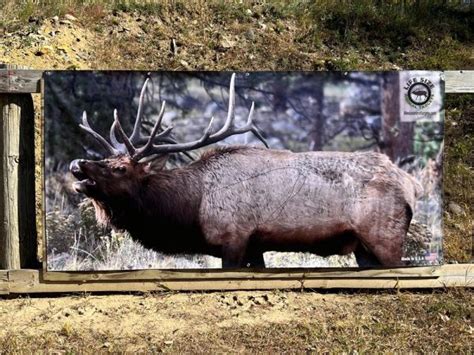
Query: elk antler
[[136, 139], [162, 136], [227, 130], [113, 150]]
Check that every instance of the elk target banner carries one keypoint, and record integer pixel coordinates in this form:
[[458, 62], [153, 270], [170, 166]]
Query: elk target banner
[[206, 170]]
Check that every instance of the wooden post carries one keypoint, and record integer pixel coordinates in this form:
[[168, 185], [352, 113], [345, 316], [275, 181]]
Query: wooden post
[[17, 208]]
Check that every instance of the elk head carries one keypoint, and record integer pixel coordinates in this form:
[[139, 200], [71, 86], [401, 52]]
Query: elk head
[[134, 158]]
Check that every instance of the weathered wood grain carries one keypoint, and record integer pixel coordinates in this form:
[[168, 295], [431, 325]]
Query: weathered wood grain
[[30, 281], [9, 159], [459, 82], [419, 273], [28, 81], [41, 247], [17, 232], [4, 285], [431, 272], [19, 81]]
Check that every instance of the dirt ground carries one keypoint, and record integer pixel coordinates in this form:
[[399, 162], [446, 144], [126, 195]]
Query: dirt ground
[[233, 321], [280, 321]]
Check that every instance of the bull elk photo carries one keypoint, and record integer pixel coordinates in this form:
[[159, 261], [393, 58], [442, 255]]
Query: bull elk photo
[[208, 170]]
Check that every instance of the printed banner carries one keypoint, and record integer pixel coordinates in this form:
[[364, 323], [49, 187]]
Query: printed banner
[[421, 95], [206, 170]]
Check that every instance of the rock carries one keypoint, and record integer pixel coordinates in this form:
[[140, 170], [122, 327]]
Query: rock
[[168, 342], [184, 64], [122, 29], [65, 22], [70, 17], [226, 43], [44, 51], [456, 209], [55, 19], [249, 34]]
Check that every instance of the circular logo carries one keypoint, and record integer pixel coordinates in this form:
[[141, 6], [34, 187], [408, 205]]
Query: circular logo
[[419, 93]]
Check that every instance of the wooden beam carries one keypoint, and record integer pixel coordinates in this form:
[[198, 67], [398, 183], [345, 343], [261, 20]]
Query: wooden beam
[[262, 274], [17, 210], [19, 81], [31, 281], [4, 285], [459, 81], [28, 81]]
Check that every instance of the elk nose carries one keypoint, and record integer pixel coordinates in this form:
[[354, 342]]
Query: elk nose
[[75, 165]]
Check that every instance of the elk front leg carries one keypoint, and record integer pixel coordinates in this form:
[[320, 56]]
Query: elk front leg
[[234, 251], [254, 259], [254, 254]]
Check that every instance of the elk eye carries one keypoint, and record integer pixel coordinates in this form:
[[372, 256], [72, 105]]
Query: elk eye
[[120, 169]]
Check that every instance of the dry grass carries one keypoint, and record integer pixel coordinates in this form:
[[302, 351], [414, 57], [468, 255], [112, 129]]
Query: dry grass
[[459, 179], [245, 322], [252, 35], [258, 35], [224, 35]]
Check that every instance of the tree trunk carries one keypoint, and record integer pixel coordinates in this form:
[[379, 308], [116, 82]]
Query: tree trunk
[[397, 137], [318, 134]]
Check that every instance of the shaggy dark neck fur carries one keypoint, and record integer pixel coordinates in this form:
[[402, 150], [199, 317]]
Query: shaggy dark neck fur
[[163, 214]]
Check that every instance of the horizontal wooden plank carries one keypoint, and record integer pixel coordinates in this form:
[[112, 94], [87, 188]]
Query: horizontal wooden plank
[[4, 286], [458, 82], [30, 281], [28, 81], [134, 275], [16, 81], [452, 270]]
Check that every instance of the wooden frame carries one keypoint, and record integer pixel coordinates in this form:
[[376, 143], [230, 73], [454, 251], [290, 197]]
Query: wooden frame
[[20, 82]]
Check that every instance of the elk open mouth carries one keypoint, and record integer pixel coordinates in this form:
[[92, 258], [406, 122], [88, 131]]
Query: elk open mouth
[[84, 180]]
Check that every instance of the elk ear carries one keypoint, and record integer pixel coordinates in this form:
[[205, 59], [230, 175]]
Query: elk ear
[[157, 164]]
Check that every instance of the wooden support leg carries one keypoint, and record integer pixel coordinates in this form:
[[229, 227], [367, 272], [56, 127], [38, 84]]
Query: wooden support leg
[[17, 209]]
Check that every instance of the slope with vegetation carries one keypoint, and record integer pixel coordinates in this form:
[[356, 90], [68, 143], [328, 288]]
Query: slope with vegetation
[[256, 35], [263, 35]]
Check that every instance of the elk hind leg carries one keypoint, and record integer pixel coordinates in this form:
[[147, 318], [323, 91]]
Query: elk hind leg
[[364, 257], [383, 234]]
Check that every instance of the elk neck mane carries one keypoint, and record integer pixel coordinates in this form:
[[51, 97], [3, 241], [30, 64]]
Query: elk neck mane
[[172, 196], [217, 152]]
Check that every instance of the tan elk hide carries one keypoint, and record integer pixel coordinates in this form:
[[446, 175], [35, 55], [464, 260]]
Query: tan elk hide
[[242, 170]]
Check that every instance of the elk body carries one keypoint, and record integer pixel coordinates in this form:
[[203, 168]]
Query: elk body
[[238, 202]]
